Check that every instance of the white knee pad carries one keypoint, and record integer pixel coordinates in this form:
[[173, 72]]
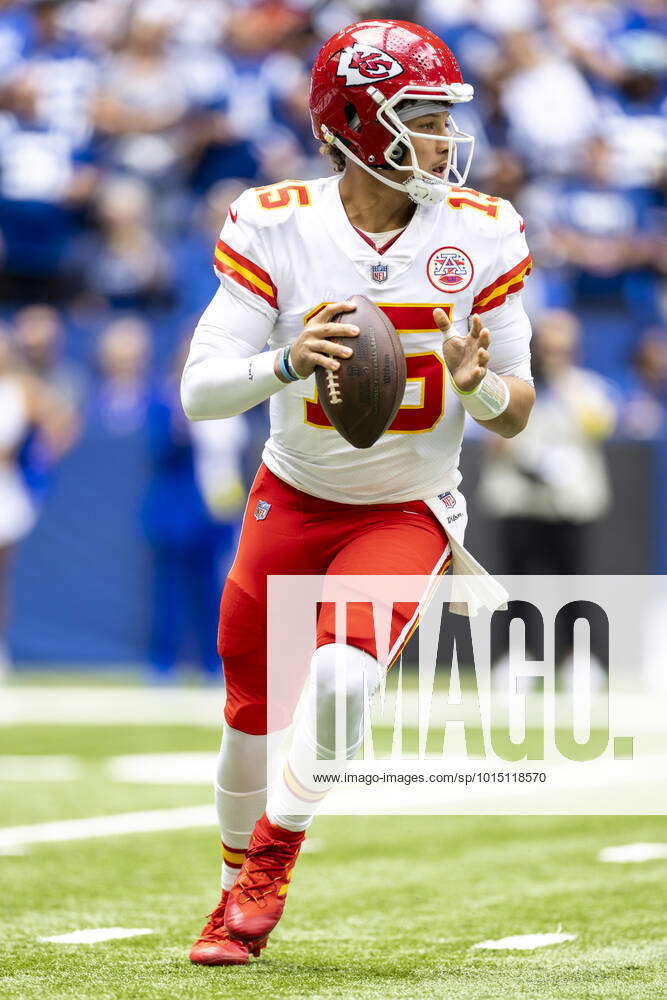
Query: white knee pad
[[357, 675]]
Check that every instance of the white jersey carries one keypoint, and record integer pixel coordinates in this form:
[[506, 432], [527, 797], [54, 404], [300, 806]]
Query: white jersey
[[288, 249]]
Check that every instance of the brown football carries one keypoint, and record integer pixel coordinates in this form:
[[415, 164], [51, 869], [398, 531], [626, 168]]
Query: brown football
[[362, 398]]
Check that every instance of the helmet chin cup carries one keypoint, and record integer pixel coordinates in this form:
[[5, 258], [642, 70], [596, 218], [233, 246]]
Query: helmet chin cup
[[425, 192]]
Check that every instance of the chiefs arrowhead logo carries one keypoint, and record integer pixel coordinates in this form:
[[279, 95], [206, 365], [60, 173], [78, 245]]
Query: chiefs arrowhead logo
[[365, 64]]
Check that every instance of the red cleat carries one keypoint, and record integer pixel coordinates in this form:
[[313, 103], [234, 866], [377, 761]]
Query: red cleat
[[214, 946], [257, 898]]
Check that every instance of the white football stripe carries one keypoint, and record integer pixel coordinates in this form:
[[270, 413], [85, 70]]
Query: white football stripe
[[525, 942], [14, 838], [117, 705], [164, 768], [34, 767], [95, 934], [106, 826], [633, 852]]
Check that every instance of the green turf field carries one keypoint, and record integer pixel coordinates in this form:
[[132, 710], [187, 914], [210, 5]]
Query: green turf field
[[385, 908]]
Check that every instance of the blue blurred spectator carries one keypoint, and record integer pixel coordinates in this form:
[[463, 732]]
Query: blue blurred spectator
[[123, 357], [192, 253], [256, 127], [124, 261], [184, 96], [143, 100], [190, 518], [16, 31], [644, 412], [60, 73], [46, 180], [38, 335], [549, 107], [598, 243], [26, 406]]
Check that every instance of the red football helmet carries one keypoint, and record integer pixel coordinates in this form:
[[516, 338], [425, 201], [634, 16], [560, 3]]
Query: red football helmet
[[361, 78]]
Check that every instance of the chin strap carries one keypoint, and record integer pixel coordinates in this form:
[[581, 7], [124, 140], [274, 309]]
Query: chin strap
[[418, 189]]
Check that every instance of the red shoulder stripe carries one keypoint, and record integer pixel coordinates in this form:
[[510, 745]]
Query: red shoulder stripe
[[246, 262], [230, 272], [245, 272], [501, 297], [503, 286], [503, 279]]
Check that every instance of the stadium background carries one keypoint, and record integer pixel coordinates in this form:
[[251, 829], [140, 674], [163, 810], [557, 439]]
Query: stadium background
[[126, 128]]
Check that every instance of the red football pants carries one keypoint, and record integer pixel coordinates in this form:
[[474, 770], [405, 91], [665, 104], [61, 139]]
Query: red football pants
[[302, 534]]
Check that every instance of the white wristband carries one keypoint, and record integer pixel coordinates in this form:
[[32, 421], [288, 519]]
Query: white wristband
[[488, 400]]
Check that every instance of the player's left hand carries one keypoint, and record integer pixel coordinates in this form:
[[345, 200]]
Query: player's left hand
[[466, 357]]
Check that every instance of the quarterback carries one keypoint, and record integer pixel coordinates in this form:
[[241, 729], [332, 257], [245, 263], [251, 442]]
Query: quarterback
[[446, 263]]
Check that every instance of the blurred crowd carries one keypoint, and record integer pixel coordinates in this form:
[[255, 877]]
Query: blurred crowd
[[128, 126]]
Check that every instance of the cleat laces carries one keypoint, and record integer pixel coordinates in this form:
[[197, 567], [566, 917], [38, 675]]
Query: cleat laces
[[215, 926], [266, 864]]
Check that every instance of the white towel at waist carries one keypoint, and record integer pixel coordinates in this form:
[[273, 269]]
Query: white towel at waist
[[472, 587]]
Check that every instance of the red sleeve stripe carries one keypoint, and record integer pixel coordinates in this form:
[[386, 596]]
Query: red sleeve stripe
[[245, 272], [246, 263], [495, 294]]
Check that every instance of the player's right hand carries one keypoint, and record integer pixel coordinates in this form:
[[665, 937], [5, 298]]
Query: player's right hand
[[311, 348]]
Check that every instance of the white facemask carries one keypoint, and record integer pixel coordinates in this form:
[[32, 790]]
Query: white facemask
[[421, 186]]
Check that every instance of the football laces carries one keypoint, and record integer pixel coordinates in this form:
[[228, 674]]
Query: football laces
[[333, 388]]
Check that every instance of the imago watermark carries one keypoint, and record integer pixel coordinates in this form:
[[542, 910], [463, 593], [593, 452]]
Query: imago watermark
[[553, 703]]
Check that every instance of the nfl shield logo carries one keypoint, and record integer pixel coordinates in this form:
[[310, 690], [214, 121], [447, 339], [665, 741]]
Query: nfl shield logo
[[261, 510], [447, 499], [379, 272]]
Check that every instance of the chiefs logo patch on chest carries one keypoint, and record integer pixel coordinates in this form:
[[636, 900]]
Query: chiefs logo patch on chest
[[360, 64], [450, 269]]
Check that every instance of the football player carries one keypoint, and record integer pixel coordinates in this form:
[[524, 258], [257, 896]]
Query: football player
[[447, 265]]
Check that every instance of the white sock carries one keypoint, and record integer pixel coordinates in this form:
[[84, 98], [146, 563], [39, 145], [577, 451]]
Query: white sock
[[295, 796], [240, 791]]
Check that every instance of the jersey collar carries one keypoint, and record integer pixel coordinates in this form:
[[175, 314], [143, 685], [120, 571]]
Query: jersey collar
[[399, 253]]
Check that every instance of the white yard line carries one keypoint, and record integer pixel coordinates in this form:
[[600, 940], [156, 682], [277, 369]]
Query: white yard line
[[624, 853], [113, 705], [34, 767], [177, 768], [114, 825], [525, 942], [94, 934], [13, 839]]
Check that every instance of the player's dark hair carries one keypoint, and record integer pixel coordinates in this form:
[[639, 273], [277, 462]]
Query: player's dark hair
[[335, 157]]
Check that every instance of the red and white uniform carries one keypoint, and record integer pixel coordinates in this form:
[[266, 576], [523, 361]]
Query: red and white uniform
[[284, 251]]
